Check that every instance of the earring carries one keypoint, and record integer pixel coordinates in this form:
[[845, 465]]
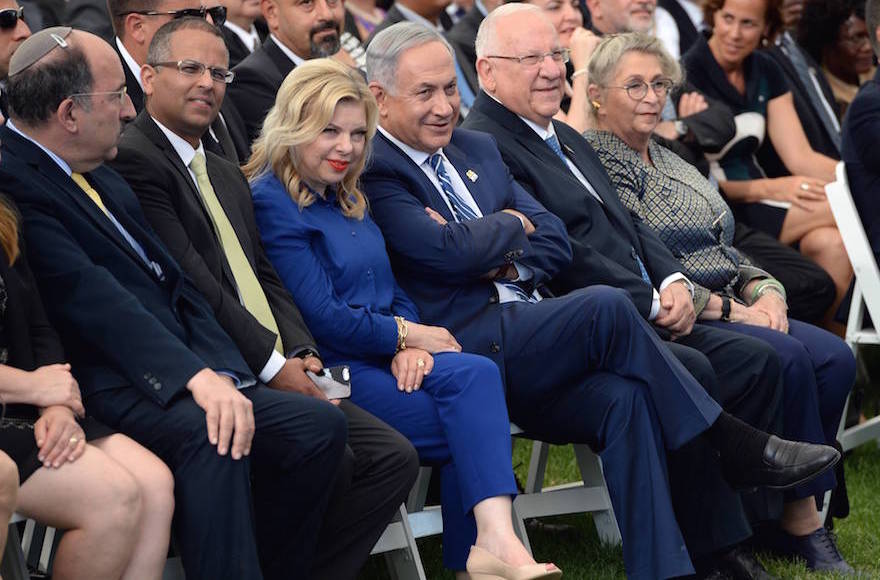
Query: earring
[[596, 104]]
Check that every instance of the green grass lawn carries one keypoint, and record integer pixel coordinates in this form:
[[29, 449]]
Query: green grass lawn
[[577, 550]]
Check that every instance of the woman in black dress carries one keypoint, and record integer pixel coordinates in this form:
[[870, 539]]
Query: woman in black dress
[[112, 497]]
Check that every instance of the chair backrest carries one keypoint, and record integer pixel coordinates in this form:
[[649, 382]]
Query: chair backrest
[[855, 240]]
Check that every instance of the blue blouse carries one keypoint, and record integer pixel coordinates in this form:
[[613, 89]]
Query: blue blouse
[[337, 270]]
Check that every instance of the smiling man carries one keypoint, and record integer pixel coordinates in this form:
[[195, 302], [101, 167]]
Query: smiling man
[[200, 206], [298, 30]]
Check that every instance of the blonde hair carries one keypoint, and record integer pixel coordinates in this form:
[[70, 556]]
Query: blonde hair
[[8, 231], [303, 108]]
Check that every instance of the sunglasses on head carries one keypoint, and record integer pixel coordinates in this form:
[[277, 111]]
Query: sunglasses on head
[[9, 17], [217, 13]]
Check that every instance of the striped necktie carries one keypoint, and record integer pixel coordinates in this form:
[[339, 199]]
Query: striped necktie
[[553, 142], [252, 295], [463, 212]]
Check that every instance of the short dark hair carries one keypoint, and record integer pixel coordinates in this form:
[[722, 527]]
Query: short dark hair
[[36, 92], [772, 15], [872, 21], [160, 46], [118, 8], [820, 23]]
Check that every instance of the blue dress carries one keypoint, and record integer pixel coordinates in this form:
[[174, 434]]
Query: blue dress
[[338, 272]]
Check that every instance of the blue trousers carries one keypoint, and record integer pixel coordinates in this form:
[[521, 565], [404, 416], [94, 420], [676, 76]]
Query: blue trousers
[[587, 368], [458, 422], [818, 372]]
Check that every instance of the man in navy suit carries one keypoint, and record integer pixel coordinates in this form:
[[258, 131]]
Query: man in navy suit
[[471, 247], [861, 141], [151, 359]]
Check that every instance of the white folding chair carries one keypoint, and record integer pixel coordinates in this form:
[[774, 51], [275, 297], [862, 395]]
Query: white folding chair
[[35, 547], [865, 296]]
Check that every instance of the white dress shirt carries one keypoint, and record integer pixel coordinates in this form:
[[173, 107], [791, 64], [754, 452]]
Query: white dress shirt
[[250, 38]]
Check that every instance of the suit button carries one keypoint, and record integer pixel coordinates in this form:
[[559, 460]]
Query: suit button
[[147, 376], [152, 380], [493, 347], [157, 387], [493, 299], [519, 252]]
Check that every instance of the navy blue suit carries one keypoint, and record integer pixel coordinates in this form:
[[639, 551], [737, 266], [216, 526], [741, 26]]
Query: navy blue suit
[[861, 153], [582, 368], [135, 337]]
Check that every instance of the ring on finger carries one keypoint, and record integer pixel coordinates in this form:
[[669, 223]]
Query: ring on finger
[[805, 186], [73, 440], [420, 362]]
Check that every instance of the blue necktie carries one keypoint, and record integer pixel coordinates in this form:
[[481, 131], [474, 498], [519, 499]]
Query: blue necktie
[[463, 212], [464, 89], [553, 142]]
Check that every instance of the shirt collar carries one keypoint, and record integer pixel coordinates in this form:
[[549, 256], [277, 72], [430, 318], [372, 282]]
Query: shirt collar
[[183, 149], [418, 157], [417, 18], [130, 62], [250, 38], [544, 133], [297, 60], [482, 8], [58, 160]]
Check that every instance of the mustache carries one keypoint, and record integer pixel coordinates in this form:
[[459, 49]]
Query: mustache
[[325, 25]]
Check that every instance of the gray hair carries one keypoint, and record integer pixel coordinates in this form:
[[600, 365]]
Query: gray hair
[[487, 35], [385, 49], [872, 20], [606, 58]]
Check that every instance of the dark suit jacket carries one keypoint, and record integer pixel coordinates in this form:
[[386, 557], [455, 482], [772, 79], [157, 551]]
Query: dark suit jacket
[[861, 153], [257, 79], [462, 36], [174, 208], [394, 15], [122, 325], [441, 267], [230, 130], [236, 47], [91, 16], [815, 130], [603, 242]]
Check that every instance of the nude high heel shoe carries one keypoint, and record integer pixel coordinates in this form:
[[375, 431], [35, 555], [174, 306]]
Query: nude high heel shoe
[[482, 565]]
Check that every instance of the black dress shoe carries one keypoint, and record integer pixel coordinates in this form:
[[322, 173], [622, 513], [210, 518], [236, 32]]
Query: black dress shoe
[[820, 551], [783, 465], [741, 564]]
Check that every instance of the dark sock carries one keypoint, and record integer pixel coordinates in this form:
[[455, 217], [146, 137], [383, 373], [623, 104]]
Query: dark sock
[[736, 440]]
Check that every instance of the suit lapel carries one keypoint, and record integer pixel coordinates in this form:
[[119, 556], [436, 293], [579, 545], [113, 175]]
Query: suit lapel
[[470, 175], [282, 63]]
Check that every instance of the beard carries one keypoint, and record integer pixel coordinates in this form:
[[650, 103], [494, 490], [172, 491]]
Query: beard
[[329, 44]]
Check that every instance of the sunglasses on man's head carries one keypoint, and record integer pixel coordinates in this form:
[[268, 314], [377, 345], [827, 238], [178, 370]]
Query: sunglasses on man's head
[[9, 17], [217, 13]]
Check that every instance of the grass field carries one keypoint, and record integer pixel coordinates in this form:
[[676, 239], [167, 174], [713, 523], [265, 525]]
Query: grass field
[[579, 553]]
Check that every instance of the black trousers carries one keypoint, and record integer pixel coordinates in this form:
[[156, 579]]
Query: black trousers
[[809, 288], [227, 527]]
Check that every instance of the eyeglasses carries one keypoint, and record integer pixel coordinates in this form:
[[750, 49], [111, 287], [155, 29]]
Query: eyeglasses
[[194, 68], [558, 55], [856, 40], [217, 13], [120, 94], [639, 90], [9, 18]]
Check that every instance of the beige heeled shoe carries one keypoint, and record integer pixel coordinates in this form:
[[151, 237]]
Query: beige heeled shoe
[[482, 565]]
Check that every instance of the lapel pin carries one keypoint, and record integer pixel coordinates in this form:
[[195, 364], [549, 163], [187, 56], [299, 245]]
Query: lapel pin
[[472, 175]]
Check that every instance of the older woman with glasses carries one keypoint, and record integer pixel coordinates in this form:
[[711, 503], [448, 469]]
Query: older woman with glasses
[[630, 78]]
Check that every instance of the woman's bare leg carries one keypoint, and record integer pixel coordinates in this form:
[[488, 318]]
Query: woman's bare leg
[[97, 502], [8, 494], [157, 497]]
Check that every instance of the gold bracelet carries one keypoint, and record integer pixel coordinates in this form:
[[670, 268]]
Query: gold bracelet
[[402, 330]]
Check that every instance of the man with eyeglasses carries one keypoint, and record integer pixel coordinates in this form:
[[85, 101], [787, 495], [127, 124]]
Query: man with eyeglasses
[[254, 467], [13, 31], [135, 27], [522, 92], [200, 206]]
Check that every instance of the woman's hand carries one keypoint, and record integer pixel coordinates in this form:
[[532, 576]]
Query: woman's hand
[[430, 338], [583, 44], [691, 104], [59, 437], [748, 315], [55, 385], [798, 190], [409, 367], [774, 307]]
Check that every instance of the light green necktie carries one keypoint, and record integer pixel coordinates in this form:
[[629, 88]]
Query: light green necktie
[[249, 288]]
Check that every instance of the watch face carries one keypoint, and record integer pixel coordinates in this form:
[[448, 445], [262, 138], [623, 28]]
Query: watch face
[[680, 128]]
